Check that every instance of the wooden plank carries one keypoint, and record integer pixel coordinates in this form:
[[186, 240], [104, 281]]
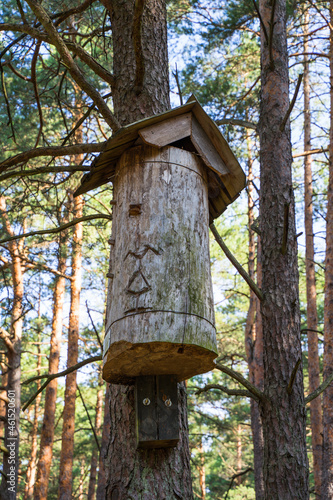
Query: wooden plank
[[206, 149], [168, 131], [146, 411], [167, 410]]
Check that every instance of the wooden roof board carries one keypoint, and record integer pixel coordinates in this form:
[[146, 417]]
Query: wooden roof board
[[231, 180]]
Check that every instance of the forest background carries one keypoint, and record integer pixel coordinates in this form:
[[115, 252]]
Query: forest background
[[53, 284]]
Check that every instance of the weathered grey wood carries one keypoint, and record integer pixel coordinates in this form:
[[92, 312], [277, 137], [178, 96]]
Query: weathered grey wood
[[160, 312], [206, 149], [167, 131], [157, 416]]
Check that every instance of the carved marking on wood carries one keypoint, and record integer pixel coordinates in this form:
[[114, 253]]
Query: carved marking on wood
[[139, 254], [138, 283]]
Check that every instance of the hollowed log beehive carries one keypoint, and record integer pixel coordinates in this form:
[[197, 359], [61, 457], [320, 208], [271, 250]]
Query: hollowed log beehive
[[172, 175]]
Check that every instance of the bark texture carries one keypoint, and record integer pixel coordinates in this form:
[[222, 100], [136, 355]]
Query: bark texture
[[311, 294], [8, 489], [101, 485], [47, 432], [327, 472], [146, 474], [283, 416], [67, 445], [253, 338]]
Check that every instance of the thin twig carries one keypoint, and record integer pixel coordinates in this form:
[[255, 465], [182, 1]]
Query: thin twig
[[293, 377], [260, 19], [256, 393], [51, 376], [94, 327], [249, 469], [230, 392], [292, 104], [233, 121], [235, 263], [175, 74], [76, 149], [90, 422], [320, 389], [57, 229], [43, 170]]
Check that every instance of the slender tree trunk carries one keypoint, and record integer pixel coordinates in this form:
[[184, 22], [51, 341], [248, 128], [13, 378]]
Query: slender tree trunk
[[31, 470], [101, 485], [311, 295], [157, 473], [202, 471], [67, 445], [47, 433], [94, 457], [283, 414], [239, 453], [327, 471], [253, 339], [9, 481]]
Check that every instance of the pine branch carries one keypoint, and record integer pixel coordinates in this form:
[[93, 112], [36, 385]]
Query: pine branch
[[69, 62], [293, 377], [76, 149], [235, 263], [230, 392], [43, 170], [238, 474], [7, 339], [57, 229], [256, 393], [320, 389], [311, 152], [51, 376], [233, 121], [292, 104]]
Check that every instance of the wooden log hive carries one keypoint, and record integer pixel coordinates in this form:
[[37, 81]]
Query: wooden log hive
[[160, 311]]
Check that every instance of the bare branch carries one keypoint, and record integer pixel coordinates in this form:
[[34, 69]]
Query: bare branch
[[293, 377], [320, 389], [175, 74], [237, 376], [43, 170], [311, 152], [90, 422], [235, 263], [94, 327], [69, 62], [260, 19], [240, 123], [292, 104], [238, 474], [76, 149], [51, 376], [230, 392]]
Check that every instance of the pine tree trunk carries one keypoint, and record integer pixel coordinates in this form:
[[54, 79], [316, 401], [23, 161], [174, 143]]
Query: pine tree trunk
[[283, 415], [157, 473], [253, 339], [311, 295], [67, 444], [101, 485], [31, 470], [327, 471], [8, 486], [202, 471], [94, 457], [47, 433]]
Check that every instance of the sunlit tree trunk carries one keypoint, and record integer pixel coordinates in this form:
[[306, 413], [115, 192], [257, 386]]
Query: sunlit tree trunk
[[283, 413], [202, 471], [311, 295], [253, 336], [327, 471]]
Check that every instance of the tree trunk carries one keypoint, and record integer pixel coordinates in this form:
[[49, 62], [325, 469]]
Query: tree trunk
[[47, 433], [283, 413], [31, 470], [8, 487], [239, 454], [253, 337], [94, 457], [327, 471], [202, 471], [67, 444], [132, 473], [101, 485], [311, 295]]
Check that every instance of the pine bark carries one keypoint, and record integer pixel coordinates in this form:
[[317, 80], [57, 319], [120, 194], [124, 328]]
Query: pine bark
[[158, 473], [11, 442], [101, 485], [253, 337], [327, 471], [94, 457], [47, 432], [311, 294], [67, 444], [283, 414]]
